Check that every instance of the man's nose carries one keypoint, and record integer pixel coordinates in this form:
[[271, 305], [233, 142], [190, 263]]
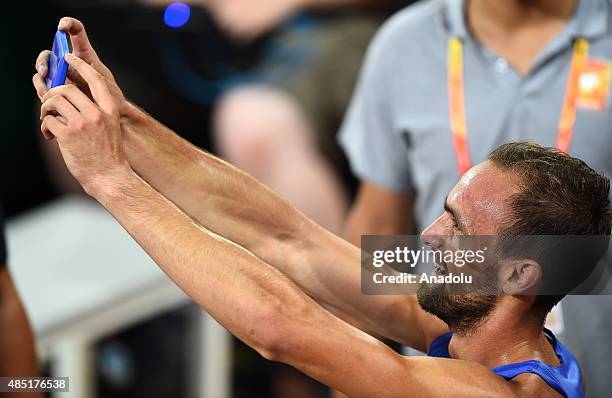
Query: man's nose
[[434, 234]]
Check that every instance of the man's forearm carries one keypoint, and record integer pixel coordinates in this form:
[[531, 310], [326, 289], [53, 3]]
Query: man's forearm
[[231, 203], [243, 293], [216, 194]]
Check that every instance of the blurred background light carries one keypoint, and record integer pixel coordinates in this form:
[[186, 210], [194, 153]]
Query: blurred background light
[[177, 15]]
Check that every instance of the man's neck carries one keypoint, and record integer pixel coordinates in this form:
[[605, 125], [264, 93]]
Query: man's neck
[[506, 336], [512, 14], [518, 30]]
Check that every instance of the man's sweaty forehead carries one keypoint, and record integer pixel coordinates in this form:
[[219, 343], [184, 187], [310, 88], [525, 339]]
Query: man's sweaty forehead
[[480, 198]]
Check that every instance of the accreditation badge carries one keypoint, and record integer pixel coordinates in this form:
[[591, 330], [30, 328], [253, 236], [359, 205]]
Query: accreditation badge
[[594, 85]]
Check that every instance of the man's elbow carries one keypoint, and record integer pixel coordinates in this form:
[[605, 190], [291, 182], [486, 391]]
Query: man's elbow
[[274, 335], [269, 332]]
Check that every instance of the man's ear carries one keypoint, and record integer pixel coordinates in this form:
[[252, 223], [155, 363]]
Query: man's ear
[[520, 277]]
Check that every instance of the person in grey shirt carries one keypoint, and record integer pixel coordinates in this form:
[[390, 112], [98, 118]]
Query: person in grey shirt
[[537, 71]]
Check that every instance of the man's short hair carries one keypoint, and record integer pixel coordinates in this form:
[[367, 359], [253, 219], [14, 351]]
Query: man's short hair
[[559, 196]]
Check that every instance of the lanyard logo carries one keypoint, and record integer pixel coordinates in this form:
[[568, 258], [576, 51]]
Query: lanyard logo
[[594, 86]]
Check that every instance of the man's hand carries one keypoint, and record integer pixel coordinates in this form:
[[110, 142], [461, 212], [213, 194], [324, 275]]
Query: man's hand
[[88, 131], [81, 47]]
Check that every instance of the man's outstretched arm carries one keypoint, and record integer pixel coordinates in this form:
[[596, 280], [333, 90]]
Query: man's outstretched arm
[[255, 301], [236, 206]]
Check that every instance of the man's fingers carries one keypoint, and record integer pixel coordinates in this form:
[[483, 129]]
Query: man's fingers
[[78, 37], [40, 85], [42, 66], [42, 63], [74, 76], [52, 127], [95, 81], [73, 94], [61, 106]]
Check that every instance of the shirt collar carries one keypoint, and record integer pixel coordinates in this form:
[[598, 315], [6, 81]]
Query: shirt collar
[[590, 20], [456, 19]]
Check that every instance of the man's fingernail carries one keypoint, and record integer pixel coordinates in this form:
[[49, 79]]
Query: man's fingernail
[[70, 56], [41, 68], [62, 23]]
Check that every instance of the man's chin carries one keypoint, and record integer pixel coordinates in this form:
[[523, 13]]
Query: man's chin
[[429, 297], [462, 313]]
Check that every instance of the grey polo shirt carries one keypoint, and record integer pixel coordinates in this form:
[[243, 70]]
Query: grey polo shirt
[[397, 132]]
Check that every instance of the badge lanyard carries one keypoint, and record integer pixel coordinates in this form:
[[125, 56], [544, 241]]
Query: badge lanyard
[[457, 100]]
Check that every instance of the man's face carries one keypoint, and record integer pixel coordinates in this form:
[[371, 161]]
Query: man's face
[[477, 206]]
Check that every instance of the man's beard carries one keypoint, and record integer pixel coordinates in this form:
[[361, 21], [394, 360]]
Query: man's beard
[[461, 311]]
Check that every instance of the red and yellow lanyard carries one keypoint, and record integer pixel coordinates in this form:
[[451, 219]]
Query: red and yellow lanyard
[[457, 100]]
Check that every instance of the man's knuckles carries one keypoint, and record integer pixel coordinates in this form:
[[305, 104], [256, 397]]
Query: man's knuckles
[[97, 118], [48, 106], [77, 126], [66, 91], [42, 61], [113, 111]]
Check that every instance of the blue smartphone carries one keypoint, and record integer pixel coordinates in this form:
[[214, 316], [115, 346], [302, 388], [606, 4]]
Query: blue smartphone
[[58, 67]]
